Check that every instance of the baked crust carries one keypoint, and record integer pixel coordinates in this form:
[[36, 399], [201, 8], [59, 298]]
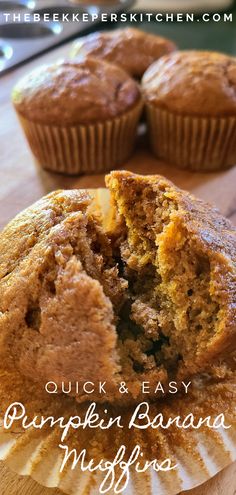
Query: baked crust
[[193, 83], [130, 48], [83, 92]]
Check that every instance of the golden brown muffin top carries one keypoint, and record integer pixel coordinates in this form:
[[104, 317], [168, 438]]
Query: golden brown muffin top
[[87, 91], [130, 48], [193, 83]]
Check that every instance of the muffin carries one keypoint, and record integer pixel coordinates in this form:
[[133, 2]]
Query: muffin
[[151, 299], [191, 109], [130, 48], [79, 117]]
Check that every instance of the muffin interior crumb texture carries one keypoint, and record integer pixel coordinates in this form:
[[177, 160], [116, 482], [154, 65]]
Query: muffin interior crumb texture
[[149, 299]]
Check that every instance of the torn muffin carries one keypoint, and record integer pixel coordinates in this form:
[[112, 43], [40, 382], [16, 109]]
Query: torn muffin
[[152, 299], [179, 256], [59, 288]]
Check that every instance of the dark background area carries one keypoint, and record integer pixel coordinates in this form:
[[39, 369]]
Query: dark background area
[[219, 36], [21, 42]]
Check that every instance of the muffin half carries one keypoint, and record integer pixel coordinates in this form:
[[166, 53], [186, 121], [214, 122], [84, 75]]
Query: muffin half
[[150, 299]]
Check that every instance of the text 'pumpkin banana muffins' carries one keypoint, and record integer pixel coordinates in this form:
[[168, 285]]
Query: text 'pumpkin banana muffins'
[[132, 49], [79, 117], [191, 107], [150, 299]]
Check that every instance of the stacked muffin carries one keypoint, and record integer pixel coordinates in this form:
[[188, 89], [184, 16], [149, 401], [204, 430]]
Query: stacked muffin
[[82, 115]]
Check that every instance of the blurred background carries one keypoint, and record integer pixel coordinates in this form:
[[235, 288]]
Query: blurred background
[[181, 5], [212, 35], [20, 40]]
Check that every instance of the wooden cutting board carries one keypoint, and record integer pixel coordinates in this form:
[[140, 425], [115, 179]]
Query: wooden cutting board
[[22, 182]]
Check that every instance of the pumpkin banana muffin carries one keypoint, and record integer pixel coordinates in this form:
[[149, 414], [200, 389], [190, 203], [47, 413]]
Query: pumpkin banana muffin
[[179, 257], [190, 101], [79, 116], [152, 298], [132, 49]]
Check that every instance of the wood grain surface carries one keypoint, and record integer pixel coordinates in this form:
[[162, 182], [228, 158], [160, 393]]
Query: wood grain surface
[[23, 182]]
